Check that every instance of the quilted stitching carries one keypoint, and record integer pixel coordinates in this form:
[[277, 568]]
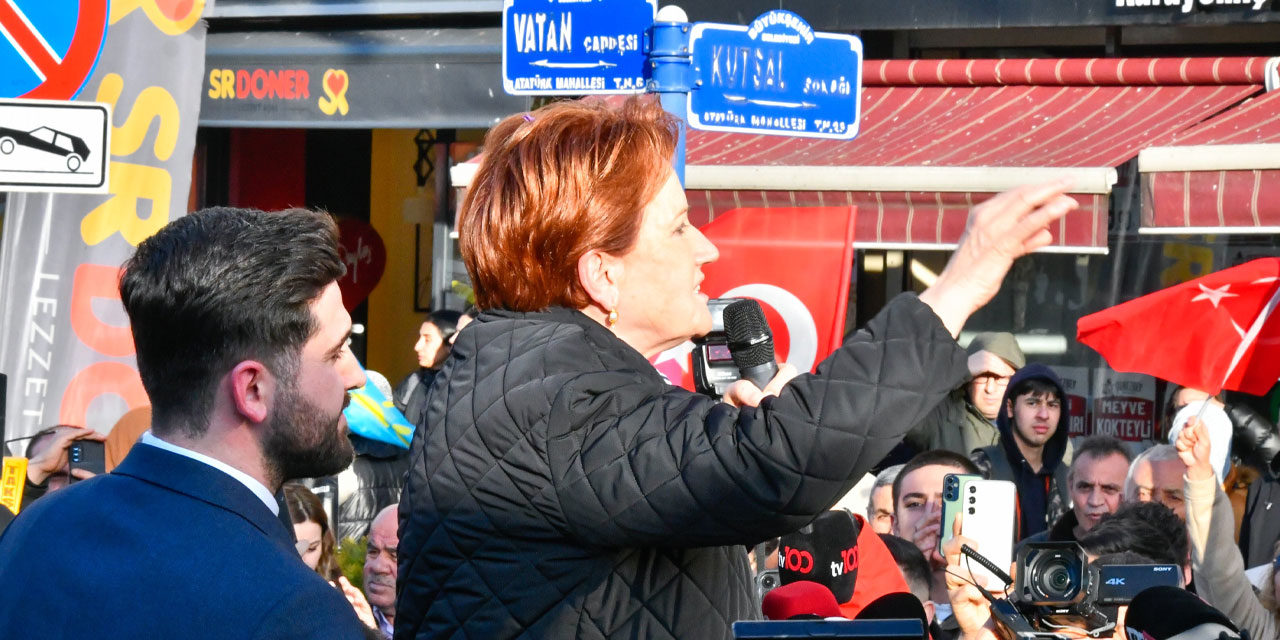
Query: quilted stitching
[[563, 490]]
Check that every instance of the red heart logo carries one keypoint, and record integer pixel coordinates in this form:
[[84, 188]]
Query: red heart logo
[[337, 82], [365, 255]]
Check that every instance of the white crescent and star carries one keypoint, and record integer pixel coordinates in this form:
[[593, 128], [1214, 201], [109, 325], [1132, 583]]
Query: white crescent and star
[[1214, 296]]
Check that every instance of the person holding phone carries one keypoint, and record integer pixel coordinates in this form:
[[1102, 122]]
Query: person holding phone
[[917, 499], [49, 463]]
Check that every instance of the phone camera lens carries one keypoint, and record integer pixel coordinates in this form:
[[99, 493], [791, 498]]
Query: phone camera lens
[[972, 511]]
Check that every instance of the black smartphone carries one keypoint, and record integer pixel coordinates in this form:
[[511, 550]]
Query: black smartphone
[[89, 455]]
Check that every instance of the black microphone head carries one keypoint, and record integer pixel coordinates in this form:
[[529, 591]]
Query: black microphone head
[[828, 547], [895, 606], [1163, 612], [750, 341]]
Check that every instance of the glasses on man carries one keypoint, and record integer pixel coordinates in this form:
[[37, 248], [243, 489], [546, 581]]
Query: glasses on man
[[989, 379]]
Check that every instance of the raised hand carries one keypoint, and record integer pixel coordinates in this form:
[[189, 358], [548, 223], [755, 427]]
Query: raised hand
[[1000, 230], [1193, 449], [970, 608]]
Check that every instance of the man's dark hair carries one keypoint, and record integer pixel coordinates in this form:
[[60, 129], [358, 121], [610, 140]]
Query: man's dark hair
[[217, 287], [1122, 557], [913, 565], [1035, 386], [1147, 528], [446, 321], [1100, 446], [930, 458]]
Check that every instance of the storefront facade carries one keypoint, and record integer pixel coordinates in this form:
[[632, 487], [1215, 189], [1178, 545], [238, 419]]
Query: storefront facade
[[355, 121], [940, 134]]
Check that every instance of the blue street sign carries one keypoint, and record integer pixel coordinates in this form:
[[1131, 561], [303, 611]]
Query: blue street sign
[[558, 47], [775, 76]]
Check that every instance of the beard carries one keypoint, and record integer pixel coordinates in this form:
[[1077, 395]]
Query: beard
[[302, 441]]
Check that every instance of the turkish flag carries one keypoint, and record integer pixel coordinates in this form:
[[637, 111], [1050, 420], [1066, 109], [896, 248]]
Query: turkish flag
[[796, 261], [1211, 333]]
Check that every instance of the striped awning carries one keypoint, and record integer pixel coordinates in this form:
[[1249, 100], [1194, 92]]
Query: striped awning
[[1222, 176], [939, 136]]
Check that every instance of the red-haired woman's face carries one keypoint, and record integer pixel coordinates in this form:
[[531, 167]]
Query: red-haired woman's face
[[661, 303]]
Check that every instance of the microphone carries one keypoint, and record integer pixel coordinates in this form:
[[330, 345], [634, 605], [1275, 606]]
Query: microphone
[[800, 600], [1162, 613], [825, 551], [750, 342]]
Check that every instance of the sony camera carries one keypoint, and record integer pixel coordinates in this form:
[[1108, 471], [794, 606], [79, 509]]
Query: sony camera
[[1056, 588], [713, 367]]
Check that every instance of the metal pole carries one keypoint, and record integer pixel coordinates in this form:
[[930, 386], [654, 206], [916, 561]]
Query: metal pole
[[671, 72]]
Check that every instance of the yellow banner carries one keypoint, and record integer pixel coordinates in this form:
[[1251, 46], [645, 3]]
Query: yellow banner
[[12, 481]]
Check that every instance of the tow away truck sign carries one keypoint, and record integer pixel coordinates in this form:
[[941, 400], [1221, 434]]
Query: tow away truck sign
[[573, 47], [54, 146]]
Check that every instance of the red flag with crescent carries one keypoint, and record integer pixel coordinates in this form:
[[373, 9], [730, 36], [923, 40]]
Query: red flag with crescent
[[1212, 333], [797, 262]]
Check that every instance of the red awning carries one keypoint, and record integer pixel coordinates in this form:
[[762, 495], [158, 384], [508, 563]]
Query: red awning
[[1222, 175], [938, 136]]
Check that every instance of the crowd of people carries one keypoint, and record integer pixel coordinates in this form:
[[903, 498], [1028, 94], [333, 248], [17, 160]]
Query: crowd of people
[[556, 484]]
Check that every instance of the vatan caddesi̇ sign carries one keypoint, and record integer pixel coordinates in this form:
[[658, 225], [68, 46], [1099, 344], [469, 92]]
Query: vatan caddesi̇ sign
[[64, 337]]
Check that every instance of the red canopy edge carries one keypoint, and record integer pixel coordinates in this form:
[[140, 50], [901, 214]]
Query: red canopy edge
[[1065, 71]]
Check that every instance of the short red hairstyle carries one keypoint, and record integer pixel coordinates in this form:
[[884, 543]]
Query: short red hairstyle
[[554, 184]]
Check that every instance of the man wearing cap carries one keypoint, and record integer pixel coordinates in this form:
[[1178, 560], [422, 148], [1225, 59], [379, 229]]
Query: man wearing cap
[[965, 419]]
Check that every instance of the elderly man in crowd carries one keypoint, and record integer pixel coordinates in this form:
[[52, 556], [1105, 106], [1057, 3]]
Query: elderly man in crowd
[[380, 568], [1156, 476]]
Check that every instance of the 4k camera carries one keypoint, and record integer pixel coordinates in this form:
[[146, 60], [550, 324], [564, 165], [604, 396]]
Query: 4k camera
[[1057, 587], [1052, 574]]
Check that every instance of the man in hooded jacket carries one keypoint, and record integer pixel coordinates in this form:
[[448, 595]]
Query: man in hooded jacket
[[1033, 443]]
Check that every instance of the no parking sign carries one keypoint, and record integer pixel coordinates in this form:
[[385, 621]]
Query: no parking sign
[[50, 46]]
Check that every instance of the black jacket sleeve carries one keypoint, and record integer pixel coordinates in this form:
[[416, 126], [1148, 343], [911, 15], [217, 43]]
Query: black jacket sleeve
[[666, 467]]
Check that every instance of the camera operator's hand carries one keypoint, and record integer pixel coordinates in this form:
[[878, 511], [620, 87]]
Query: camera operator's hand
[[744, 393], [970, 609], [53, 458], [1193, 449]]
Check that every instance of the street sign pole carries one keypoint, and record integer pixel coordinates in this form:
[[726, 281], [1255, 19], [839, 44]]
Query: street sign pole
[[670, 67]]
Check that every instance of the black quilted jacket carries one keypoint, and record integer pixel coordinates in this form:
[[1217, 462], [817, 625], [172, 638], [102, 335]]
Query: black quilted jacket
[[565, 490]]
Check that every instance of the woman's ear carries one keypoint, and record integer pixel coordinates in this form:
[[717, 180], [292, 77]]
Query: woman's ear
[[599, 274]]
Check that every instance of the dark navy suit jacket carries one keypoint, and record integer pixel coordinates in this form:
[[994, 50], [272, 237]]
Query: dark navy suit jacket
[[162, 547]]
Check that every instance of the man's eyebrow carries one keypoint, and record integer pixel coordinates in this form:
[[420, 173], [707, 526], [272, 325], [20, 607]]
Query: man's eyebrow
[[916, 494], [343, 342]]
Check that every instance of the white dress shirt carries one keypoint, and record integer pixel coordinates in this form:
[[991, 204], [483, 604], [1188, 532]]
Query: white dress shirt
[[256, 487]]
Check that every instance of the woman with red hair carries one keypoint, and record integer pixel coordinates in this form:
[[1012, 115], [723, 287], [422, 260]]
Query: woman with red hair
[[564, 488]]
